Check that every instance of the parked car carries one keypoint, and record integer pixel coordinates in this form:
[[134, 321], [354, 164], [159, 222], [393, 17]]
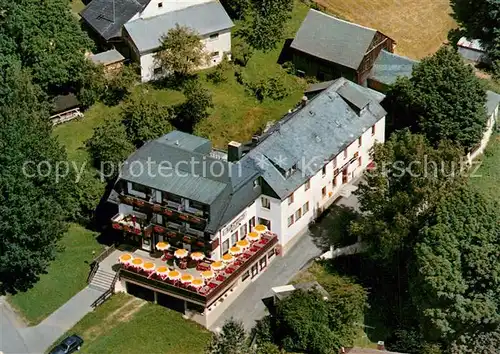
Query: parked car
[[69, 345]]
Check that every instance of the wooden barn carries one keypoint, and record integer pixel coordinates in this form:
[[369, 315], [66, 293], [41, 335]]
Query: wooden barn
[[328, 48]]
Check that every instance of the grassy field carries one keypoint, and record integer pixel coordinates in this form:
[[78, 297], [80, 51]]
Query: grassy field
[[419, 27], [487, 177], [65, 276], [126, 324]]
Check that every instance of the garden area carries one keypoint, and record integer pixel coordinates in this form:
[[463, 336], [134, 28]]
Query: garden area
[[125, 324], [65, 276]]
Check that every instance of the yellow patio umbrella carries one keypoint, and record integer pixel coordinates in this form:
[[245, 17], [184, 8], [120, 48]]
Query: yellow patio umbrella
[[137, 262], [197, 256], [253, 236], [181, 253], [162, 246], [235, 250], [148, 266], [186, 278], [161, 270], [243, 244], [174, 275], [125, 258], [197, 283], [260, 228], [228, 258], [208, 274], [217, 265]]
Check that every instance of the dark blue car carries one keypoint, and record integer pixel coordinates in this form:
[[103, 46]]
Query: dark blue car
[[69, 345]]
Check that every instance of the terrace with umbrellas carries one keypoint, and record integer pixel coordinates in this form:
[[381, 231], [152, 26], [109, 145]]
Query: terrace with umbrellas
[[191, 275]]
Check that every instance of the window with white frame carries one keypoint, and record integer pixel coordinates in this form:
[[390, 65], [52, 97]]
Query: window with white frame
[[234, 238], [323, 192], [298, 214], [290, 199], [255, 270], [225, 246], [373, 130], [290, 220], [214, 36], [305, 208], [345, 153], [215, 54], [266, 203], [360, 141], [243, 231], [323, 171]]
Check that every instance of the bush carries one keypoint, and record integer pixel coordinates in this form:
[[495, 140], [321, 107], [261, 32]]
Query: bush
[[273, 87], [242, 52], [220, 72]]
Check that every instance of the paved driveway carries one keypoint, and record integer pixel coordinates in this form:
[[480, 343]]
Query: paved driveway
[[15, 338], [248, 307]]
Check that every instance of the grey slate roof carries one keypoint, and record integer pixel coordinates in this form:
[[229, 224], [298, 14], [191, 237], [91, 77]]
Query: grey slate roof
[[492, 102], [206, 18], [389, 66], [314, 89], [108, 57], [108, 20], [332, 39], [306, 137], [314, 134]]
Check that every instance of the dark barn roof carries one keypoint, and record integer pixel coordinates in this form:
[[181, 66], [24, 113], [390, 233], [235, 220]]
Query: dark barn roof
[[108, 20], [63, 103], [333, 39]]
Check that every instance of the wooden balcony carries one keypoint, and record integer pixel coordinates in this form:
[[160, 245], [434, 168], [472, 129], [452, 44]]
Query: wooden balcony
[[169, 209], [213, 289], [132, 225]]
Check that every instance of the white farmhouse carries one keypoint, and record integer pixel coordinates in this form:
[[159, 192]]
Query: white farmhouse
[[135, 27]]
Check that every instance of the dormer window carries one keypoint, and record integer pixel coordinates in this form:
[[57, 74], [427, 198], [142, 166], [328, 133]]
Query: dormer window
[[160, 5]]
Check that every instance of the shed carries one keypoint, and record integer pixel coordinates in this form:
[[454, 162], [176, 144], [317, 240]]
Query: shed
[[107, 58], [65, 108], [472, 50]]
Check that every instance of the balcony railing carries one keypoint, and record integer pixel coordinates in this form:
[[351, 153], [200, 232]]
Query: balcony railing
[[171, 209], [132, 225], [206, 299]]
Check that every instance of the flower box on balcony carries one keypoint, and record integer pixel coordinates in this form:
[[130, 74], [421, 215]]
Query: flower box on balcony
[[137, 231], [186, 239], [200, 244], [117, 226], [183, 217], [159, 229], [167, 212], [171, 234], [127, 200], [139, 203], [126, 228], [156, 208], [195, 219]]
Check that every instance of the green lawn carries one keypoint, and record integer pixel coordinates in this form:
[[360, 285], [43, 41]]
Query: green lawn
[[65, 276], [487, 177], [125, 324]]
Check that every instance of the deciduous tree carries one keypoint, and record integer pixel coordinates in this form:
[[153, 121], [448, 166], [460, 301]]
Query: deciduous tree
[[443, 99], [109, 146], [195, 108], [456, 287], [145, 119], [35, 201], [181, 52], [268, 21], [46, 37], [481, 20], [409, 178], [232, 339]]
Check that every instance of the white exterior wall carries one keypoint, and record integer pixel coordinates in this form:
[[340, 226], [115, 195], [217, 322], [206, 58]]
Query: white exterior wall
[[280, 211], [222, 45], [159, 7]]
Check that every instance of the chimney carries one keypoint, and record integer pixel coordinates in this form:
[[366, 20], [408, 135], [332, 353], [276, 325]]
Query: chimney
[[234, 151], [303, 101], [380, 345]]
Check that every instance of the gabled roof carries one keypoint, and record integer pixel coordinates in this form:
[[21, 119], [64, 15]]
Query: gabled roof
[[389, 66], [107, 17], [492, 102], [316, 133], [206, 18], [108, 57], [333, 39], [63, 103]]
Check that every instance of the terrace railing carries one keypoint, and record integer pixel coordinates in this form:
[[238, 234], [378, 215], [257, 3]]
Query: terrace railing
[[94, 265], [214, 294]]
